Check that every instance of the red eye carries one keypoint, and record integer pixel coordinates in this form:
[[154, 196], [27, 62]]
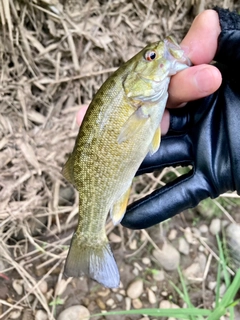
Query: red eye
[[150, 55]]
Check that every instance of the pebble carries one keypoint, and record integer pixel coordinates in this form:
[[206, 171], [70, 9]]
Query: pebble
[[135, 289], [137, 303], [203, 228], [144, 318], [110, 302], [222, 289], [119, 297], [215, 226], [43, 286], [104, 293], [183, 246], [172, 234], [15, 314], [133, 244], [146, 261], [168, 257], [128, 303], [195, 271], [166, 304], [159, 275], [113, 237], [188, 235], [101, 304], [41, 315], [233, 244], [18, 286], [74, 313], [135, 272], [212, 285], [151, 296]]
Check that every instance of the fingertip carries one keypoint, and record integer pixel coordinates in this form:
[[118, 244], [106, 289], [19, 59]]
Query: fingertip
[[81, 114], [195, 83]]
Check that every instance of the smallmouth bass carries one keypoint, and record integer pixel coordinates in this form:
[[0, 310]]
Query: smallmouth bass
[[121, 126]]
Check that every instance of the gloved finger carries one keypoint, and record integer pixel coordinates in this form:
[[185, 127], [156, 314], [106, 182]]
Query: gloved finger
[[184, 193], [228, 42], [173, 151]]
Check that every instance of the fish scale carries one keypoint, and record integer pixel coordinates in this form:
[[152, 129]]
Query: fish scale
[[121, 126]]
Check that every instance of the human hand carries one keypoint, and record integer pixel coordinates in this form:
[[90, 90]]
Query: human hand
[[204, 133]]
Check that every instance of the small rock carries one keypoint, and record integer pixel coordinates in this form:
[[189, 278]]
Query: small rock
[[164, 293], [110, 302], [113, 237], [101, 304], [212, 285], [203, 228], [135, 272], [166, 304], [151, 296], [159, 275], [75, 313], [201, 248], [222, 289], [41, 315], [137, 265], [183, 246], [104, 293], [196, 232], [233, 244], [135, 289], [146, 261], [119, 297], [128, 303], [144, 318], [15, 314], [154, 288], [133, 244], [168, 257], [43, 286], [122, 292], [137, 303], [215, 226], [18, 286], [172, 234], [188, 235], [195, 271]]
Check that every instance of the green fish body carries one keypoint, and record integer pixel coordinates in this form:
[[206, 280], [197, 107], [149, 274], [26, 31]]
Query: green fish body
[[121, 126]]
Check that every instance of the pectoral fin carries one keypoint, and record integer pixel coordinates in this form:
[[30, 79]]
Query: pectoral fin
[[133, 124], [156, 141], [119, 208]]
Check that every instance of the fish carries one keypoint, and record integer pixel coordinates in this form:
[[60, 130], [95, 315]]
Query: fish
[[121, 126]]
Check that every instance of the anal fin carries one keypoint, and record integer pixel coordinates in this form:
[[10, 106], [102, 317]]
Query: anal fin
[[119, 208]]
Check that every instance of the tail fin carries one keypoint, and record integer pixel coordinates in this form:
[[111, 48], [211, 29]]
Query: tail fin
[[96, 262]]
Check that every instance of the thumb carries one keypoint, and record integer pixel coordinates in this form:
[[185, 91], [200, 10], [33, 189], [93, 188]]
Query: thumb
[[183, 193]]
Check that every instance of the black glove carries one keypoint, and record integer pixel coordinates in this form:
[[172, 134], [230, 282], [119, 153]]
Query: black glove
[[204, 134]]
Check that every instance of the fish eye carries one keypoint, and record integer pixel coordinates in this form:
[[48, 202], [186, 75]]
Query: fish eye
[[150, 55]]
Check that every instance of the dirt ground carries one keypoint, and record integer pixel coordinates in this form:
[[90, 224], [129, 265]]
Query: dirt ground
[[54, 56]]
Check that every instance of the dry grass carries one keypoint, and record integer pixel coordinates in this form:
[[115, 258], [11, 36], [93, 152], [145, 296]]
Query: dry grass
[[53, 57]]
